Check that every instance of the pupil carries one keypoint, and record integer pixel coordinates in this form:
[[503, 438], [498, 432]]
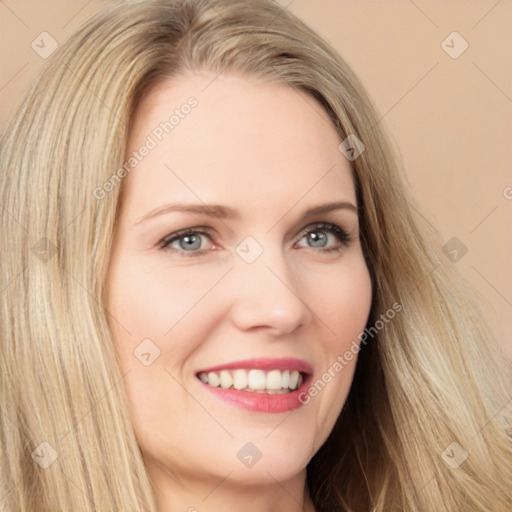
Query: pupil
[[318, 238], [191, 242]]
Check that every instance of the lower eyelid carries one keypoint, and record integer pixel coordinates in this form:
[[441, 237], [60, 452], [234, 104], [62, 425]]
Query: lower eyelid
[[343, 237]]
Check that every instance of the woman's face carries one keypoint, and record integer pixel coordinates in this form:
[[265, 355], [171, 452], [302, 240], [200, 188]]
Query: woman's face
[[216, 260]]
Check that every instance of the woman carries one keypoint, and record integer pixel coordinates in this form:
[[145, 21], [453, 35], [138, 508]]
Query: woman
[[216, 291]]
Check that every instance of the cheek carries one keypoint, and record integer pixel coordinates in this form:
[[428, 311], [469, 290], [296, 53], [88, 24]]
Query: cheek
[[162, 302], [350, 308], [159, 317], [343, 305], [343, 301], [154, 300]]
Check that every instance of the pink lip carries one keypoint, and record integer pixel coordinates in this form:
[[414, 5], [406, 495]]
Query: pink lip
[[262, 402], [264, 363]]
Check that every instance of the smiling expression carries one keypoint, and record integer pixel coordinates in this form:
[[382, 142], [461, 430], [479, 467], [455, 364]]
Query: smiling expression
[[237, 240]]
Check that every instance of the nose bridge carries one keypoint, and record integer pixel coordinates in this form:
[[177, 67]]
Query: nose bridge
[[267, 291]]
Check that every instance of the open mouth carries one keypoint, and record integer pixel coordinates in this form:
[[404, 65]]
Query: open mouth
[[255, 380]]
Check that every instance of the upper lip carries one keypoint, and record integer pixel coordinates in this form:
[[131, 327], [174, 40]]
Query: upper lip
[[264, 363]]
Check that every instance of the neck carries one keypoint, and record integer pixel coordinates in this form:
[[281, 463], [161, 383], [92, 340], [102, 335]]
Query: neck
[[217, 494]]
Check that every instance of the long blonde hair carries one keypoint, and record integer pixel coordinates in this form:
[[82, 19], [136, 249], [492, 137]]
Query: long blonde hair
[[429, 388]]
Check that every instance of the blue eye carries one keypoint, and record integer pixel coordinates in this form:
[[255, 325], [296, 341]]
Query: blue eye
[[318, 235], [189, 241]]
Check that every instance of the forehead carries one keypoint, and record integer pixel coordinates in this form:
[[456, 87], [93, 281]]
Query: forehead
[[251, 144]]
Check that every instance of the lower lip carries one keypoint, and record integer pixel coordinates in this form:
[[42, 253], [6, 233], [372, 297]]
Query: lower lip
[[263, 402]]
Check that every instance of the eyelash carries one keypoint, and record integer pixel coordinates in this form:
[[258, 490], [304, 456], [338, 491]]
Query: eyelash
[[343, 237]]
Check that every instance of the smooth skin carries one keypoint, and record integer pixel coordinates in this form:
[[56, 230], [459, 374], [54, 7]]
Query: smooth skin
[[269, 152]]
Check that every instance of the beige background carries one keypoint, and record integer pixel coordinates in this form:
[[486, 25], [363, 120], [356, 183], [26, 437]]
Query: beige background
[[450, 117]]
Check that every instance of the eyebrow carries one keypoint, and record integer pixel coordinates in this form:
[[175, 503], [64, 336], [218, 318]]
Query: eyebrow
[[218, 211]]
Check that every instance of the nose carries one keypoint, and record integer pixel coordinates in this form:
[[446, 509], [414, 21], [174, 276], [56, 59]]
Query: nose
[[268, 294]]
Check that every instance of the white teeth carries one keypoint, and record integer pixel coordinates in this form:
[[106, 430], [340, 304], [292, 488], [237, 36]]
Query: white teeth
[[239, 379], [259, 381], [294, 377], [225, 380], [286, 379], [274, 380], [256, 379], [213, 379]]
